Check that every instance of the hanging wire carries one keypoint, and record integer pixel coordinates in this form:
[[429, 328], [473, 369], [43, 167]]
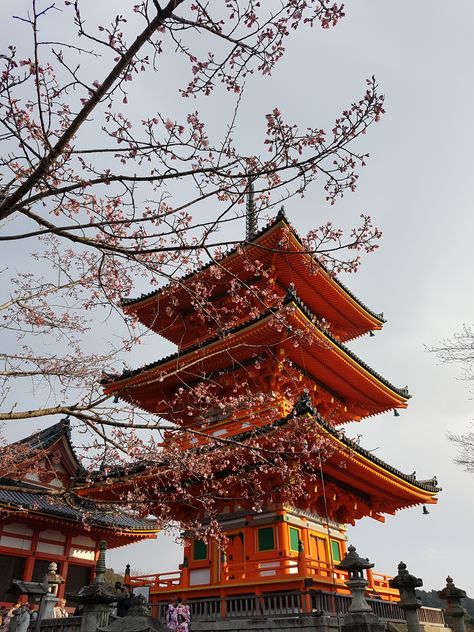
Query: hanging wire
[[326, 516]]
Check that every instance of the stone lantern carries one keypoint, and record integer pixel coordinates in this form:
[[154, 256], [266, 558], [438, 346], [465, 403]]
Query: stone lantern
[[452, 595], [406, 584], [359, 616], [96, 598], [52, 580]]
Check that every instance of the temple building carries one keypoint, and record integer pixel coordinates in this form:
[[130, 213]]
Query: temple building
[[262, 339], [42, 521]]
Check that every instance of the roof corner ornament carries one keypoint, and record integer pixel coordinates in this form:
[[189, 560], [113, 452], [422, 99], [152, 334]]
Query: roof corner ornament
[[291, 292], [251, 213], [303, 405]]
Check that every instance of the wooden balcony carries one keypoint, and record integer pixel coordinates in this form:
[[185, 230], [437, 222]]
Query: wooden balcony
[[255, 576]]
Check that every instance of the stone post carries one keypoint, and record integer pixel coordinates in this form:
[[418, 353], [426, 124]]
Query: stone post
[[406, 584], [454, 611], [359, 617], [96, 597]]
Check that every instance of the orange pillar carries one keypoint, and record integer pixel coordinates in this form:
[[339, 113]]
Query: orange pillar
[[370, 578], [223, 604], [283, 537]]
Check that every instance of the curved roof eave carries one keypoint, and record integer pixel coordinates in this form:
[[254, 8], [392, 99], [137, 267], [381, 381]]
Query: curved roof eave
[[430, 486], [291, 297], [280, 218]]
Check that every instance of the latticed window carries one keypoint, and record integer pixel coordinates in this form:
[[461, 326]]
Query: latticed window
[[266, 539], [294, 538], [336, 551], [200, 550]]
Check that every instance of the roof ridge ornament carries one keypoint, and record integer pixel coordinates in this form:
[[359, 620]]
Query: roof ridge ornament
[[303, 404], [251, 218]]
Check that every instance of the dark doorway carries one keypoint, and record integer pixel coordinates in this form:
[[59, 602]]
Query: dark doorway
[[77, 577], [11, 568]]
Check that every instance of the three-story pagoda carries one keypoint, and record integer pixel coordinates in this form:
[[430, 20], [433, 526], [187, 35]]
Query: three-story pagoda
[[261, 337]]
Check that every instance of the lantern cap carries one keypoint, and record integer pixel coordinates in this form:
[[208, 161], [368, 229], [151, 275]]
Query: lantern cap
[[353, 562]]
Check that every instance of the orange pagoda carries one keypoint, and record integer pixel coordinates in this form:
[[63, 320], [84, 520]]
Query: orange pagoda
[[285, 350]]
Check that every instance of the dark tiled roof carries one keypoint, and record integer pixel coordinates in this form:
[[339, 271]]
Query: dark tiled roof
[[36, 444], [45, 438], [280, 217], [290, 298], [74, 509]]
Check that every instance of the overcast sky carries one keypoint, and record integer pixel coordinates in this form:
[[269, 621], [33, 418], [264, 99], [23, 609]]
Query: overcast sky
[[418, 188]]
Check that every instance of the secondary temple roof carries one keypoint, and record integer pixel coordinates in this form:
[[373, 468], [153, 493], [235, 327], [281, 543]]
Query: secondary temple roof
[[16, 495], [23, 490]]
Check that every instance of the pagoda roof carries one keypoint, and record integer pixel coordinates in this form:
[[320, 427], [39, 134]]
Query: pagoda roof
[[363, 318], [122, 384], [361, 472], [428, 485]]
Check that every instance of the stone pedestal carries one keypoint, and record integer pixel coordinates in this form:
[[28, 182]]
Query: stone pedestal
[[454, 612], [48, 605], [137, 619], [406, 584]]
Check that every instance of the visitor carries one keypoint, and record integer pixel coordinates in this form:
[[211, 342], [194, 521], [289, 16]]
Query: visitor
[[118, 586], [3, 615], [33, 612], [22, 618], [123, 604], [183, 616], [9, 616], [171, 621], [59, 610]]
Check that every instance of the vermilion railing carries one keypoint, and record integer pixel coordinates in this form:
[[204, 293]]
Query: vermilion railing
[[158, 580], [281, 567]]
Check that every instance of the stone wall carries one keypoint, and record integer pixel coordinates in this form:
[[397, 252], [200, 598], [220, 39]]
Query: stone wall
[[284, 624]]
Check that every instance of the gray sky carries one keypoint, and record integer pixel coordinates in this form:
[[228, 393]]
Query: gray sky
[[417, 187]]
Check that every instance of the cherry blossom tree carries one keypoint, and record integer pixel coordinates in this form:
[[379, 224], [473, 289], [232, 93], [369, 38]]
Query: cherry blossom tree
[[107, 197], [459, 349]]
